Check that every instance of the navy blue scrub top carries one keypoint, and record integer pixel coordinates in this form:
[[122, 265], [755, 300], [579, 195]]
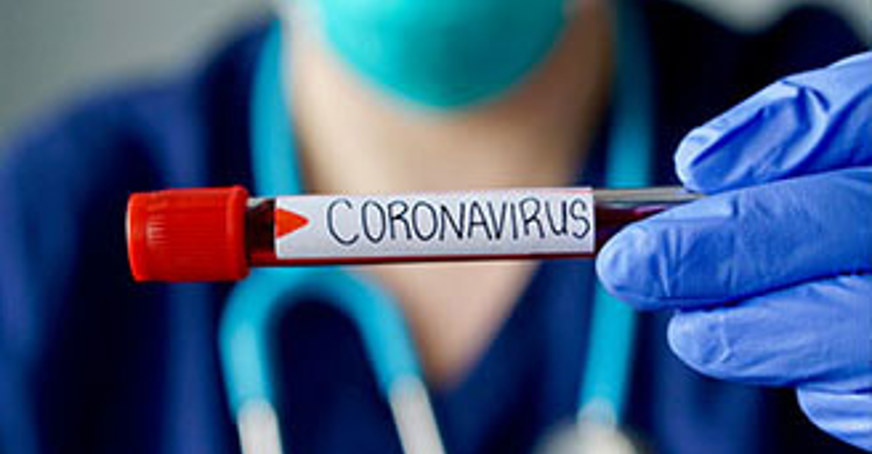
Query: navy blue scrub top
[[91, 362]]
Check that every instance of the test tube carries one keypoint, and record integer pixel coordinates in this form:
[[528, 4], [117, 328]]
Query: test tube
[[218, 234]]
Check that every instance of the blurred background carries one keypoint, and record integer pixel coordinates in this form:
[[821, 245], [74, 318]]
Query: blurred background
[[50, 49]]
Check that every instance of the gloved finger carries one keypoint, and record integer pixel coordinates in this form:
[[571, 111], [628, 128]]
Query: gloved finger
[[806, 123], [847, 416], [745, 242], [818, 335]]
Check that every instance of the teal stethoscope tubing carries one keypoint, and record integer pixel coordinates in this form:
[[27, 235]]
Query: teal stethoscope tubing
[[607, 370], [245, 337], [245, 348]]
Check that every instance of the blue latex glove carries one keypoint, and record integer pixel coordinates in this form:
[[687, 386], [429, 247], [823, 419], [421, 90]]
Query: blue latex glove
[[771, 275]]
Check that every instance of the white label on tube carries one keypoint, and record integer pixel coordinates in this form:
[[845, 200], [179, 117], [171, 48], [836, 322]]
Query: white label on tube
[[512, 223]]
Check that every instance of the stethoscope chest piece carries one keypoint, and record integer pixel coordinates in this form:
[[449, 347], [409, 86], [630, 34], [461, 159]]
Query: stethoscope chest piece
[[587, 437]]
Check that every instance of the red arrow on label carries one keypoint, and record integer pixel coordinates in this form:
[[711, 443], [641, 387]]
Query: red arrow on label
[[287, 222]]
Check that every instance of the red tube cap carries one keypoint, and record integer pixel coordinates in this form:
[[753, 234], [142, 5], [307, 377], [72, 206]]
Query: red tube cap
[[187, 235]]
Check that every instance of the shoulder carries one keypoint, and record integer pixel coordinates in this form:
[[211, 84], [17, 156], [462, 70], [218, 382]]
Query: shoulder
[[702, 67], [65, 178], [693, 52]]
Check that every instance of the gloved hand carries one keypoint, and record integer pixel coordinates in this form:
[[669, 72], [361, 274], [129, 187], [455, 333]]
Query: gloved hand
[[771, 275]]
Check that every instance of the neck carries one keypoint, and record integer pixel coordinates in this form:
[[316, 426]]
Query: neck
[[354, 139]]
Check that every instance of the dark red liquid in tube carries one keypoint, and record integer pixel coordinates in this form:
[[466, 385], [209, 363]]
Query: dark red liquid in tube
[[217, 234]]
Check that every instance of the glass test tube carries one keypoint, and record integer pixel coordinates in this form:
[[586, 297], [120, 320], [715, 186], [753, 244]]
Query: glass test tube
[[219, 233]]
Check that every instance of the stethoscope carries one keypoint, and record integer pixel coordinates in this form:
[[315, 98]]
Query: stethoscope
[[247, 330]]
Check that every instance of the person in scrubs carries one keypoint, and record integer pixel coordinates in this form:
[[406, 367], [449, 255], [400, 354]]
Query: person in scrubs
[[386, 96]]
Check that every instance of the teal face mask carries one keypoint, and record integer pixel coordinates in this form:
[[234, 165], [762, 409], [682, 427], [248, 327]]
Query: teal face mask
[[441, 53]]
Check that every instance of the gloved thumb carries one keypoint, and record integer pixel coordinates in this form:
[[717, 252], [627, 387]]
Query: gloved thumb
[[807, 123]]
